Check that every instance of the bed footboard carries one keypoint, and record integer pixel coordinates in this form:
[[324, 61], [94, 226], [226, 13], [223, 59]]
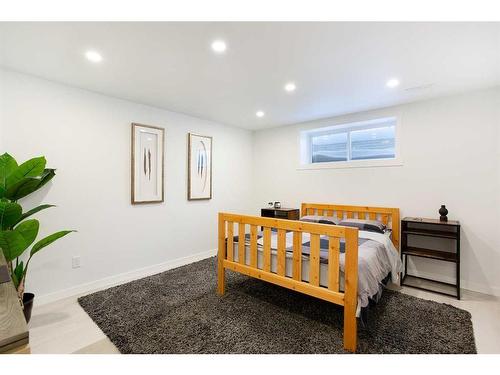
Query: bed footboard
[[250, 224]]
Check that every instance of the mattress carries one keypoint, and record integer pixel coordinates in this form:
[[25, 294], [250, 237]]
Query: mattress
[[375, 262]]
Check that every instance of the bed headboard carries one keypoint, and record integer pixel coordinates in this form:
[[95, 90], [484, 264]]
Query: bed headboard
[[389, 216]]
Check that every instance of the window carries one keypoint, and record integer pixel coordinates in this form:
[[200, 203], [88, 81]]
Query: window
[[348, 143]]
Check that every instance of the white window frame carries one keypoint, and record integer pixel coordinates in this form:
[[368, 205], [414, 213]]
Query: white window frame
[[305, 154]]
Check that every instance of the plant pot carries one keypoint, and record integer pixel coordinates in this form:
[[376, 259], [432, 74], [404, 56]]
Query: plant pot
[[28, 305]]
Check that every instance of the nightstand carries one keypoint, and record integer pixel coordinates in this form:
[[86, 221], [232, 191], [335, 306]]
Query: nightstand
[[281, 213], [450, 230]]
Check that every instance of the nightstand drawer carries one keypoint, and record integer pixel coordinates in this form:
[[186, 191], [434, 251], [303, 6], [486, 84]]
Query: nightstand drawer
[[281, 213]]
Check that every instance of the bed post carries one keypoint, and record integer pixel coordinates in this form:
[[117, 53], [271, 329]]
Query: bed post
[[395, 228], [221, 255], [351, 289]]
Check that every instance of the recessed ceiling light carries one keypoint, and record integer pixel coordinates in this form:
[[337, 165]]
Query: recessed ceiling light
[[219, 46], [290, 87], [393, 82], [93, 56], [260, 114]]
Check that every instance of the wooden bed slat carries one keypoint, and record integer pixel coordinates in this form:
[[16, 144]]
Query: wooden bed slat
[[384, 218], [297, 256], [241, 243], [230, 240], [253, 246], [267, 249], [340, 215], [320, 212], [372, 215], [314, 260], [333, 263], [281, 252], [349, 215]]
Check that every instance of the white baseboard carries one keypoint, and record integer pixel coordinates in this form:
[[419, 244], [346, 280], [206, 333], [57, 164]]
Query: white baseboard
[[122, 278]]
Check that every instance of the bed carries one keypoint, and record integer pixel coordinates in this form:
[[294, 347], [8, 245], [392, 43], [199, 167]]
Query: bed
[[336, 263]]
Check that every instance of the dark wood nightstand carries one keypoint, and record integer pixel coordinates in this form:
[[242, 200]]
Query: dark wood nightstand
[[281, 213], [415, 226]]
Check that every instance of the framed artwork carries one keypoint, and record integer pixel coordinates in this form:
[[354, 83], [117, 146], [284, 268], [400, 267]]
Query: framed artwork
[[147, 164], [199, 167]]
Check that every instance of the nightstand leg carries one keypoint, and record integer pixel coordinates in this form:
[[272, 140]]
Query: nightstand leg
[[458, 263], [406, 265]]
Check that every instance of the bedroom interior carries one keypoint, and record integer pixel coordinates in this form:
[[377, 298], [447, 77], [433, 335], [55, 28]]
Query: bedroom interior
[[249, 188]]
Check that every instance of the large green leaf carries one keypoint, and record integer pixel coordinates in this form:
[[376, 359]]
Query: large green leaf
[[12, 243], [31, 168], [46, 176], [7, 165], [29, 230], [18, 274], [29, 185], [10, 214], [34, 211], [48, 240]]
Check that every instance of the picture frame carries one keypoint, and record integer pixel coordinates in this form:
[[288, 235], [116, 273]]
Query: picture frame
[[147, 164], [199, 167]]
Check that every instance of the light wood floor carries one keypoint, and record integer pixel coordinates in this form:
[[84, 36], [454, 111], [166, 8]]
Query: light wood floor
[[63, 326]]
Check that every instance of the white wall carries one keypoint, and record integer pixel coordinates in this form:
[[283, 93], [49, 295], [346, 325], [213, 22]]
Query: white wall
[[450, 149], [86, 136]]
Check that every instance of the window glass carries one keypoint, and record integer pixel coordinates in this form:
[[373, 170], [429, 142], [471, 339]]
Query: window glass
[[375, 143], [329, 147]]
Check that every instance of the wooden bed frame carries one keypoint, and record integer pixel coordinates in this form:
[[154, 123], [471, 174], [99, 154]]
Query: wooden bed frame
[[348, 298]]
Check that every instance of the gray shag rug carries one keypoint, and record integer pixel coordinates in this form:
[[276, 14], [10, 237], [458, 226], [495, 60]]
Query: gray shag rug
[[178, 311]]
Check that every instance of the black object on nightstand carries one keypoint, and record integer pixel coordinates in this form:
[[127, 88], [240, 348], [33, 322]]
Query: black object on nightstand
[[450, 229], [281, 213]]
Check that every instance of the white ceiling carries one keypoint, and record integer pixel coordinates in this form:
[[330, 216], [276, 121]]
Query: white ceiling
[[338, 67]]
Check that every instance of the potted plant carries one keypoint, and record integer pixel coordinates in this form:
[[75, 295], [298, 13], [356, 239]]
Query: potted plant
[[18, 231]]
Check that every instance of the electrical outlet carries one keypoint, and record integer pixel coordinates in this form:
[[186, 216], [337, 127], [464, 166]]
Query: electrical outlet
[[75, 261]]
